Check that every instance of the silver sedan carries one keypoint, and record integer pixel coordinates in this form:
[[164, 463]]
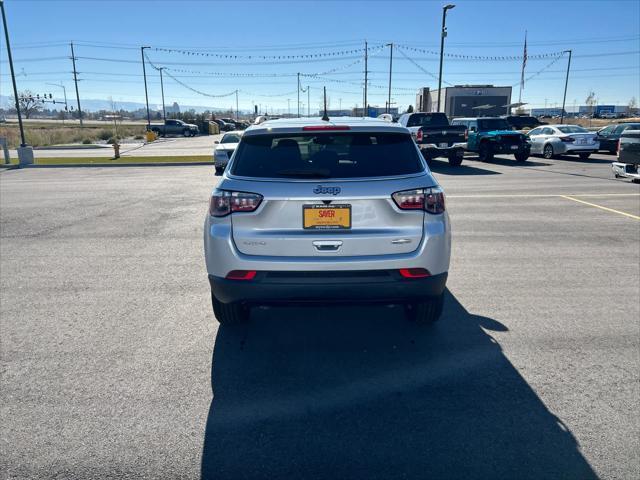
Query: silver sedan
[[552, 140]]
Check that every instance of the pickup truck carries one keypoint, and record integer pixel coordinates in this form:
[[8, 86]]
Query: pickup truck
[[435, 137], [490, 135], [175, 127]]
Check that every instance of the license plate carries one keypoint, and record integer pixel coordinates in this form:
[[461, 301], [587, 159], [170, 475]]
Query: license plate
[[443, 145], [582, 142], [514, 147], [326, 217]]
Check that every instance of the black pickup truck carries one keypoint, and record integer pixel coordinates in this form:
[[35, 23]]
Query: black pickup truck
[[435, 136]]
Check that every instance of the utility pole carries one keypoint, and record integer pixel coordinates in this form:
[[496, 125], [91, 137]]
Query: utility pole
[[566, 83], [64, 90], [443, 34], [390, 70], [75, 79], [366, 79], [298, 94], [146, 93], [288, 106], [237, 117], [308, 103], [13, 76], [164, 110]]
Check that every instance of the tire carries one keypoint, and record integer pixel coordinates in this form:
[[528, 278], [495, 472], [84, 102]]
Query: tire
[[613, 152], [584, 156], [425, 312], [521, 157], [186, 132], [229, 313], [547, 151], [219, 170], [484, 152], [455, 159]]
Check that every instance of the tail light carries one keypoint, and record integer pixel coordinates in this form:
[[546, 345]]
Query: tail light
[[466, 134], [567, 139], [419, 135], [618, 148], [414, 272], [430, 200], [224, 202], [241, 275]]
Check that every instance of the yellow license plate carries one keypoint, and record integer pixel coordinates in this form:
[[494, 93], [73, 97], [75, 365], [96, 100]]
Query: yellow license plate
[[326, 217]]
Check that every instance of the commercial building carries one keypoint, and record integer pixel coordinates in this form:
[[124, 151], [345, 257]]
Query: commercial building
[[423, 100], [373, 112], [468, 100]]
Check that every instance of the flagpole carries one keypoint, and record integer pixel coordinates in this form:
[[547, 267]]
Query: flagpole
[[524, 64]]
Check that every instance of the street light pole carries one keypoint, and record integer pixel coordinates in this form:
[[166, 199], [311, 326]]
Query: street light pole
[[298, 94], [237, 114], [64, 90], [566, 83], [146, 93], [390, 70], [13, 76], [442, 35], [308, 104], [164, 110]]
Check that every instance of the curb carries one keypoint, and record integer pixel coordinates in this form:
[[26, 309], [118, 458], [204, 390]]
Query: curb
[[114, 165]]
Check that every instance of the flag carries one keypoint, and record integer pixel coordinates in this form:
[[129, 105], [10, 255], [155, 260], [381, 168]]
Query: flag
[[524, 64]]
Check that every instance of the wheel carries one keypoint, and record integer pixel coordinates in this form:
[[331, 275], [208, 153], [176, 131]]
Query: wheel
[[455, 159], [547, 151], [186, 132], [219, 170], [521, 157], [584, 156], [229, 313], [427, 311], [613, 151], [484, 153]]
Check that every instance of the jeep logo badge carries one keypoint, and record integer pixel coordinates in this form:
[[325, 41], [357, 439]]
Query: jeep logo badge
[[320, 190]]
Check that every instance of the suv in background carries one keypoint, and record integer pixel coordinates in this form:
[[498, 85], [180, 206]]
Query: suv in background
[[327, 211], [609, 136], [490, 135], [520, 122]]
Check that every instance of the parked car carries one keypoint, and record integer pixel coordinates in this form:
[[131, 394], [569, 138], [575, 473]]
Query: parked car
[[628, 156], [520, 122], [552, 140], [607, 115], [175, 127], [314, 211], [490, 135], [224, 148], [609, 135], [435, 136], [224, 126]]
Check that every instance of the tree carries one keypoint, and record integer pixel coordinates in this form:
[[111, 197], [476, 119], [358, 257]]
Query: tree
[[409, 109], [633, 106], [29, 103], [591, 101]]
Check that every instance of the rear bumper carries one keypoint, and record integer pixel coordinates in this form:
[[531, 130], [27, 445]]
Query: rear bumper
[[293, 287], [433, 150], [507, 148]]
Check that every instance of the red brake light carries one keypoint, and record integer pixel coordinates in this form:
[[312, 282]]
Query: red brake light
[[430, 200], [466, 134], [567, 139], [618, 149], [241, 275], [414, 272], [419, 135], [223, 203], [315, 128]]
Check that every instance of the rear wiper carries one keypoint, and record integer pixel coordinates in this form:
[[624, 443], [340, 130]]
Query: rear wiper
[[319, 173]]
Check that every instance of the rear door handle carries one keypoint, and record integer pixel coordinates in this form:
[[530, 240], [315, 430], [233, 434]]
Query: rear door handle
[[327, 245]]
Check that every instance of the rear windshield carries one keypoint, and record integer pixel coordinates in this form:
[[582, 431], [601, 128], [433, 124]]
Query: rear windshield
[[493, 124], [427, 120], [572, 129], [230, 138], [327, 155]]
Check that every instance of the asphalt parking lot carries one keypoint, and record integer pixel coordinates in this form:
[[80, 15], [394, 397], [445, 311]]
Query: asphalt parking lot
[[113, 365]]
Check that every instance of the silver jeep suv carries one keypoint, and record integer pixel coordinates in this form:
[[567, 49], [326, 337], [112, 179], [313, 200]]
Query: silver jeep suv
[[327, 211]]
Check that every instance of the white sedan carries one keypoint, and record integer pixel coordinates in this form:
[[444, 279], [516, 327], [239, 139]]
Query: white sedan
[[224, 149], [552, 140]]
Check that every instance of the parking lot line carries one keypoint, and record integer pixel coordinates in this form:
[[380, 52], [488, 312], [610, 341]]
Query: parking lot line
[[546, 195], [601, 207]]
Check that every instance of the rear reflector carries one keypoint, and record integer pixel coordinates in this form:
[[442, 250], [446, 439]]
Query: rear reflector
[[316, 128], [241, 275], [414, 272]]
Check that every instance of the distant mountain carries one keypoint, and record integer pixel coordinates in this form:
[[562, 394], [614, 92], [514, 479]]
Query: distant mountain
[[94, 105]]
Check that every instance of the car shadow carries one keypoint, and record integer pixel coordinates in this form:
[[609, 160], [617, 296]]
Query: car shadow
[[511, 162], [576, 159], [360, 392], [443, 167]]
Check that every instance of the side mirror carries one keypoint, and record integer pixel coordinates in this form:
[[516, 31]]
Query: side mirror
[[217, 141]]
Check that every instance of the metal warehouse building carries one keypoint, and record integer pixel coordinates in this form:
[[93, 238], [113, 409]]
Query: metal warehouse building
[[469, 100]]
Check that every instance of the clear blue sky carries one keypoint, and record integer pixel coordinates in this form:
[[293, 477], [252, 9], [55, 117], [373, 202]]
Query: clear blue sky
[[41, 30]]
